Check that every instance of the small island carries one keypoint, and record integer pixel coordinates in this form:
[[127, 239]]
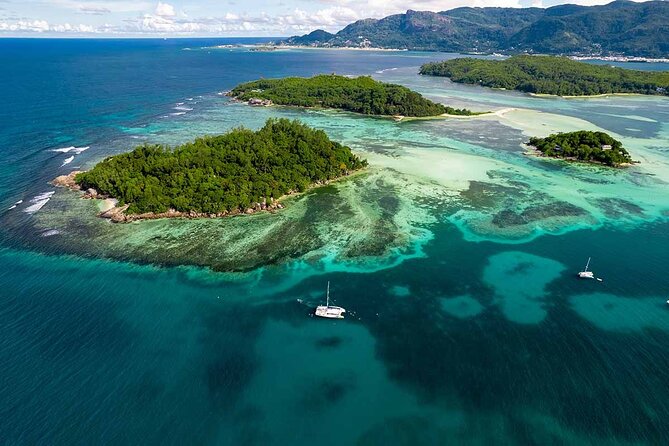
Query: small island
[[592, 147], [550, 75], [242, 171], [359, 95]]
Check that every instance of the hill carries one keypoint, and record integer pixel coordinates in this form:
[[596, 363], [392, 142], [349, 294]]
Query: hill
[[550, 75], [221, 174], [360, 95], [619, 28]]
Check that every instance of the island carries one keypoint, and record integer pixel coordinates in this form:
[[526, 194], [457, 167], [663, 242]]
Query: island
[[359, 95], [592, 147], [550, 75], [242, 171]]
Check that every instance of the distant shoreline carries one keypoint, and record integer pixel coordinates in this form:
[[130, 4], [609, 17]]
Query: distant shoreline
[[622, 59], [586, 96], [348, 48]]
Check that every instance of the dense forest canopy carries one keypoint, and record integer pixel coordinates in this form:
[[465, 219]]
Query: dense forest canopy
[[216, 174], [584, 146], [360, 95], [550, 75]]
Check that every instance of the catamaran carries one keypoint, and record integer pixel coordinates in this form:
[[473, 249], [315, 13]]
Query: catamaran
[[585, 274], [329, 311]]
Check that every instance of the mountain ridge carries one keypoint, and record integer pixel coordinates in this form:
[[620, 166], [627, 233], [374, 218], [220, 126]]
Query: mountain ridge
[[619, 28]]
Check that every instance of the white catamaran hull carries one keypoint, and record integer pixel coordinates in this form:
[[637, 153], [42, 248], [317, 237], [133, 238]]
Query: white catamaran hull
[[330, 312]]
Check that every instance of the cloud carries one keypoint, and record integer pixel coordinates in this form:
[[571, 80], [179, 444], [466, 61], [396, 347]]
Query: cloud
[[42, 26], [165, 10], [163, 18], [94, 10]]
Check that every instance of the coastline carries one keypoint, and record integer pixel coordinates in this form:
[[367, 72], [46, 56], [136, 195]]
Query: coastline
[[587, 96], [624, 59], [110, 209], [488, 114], [396, 118], [534, 152], [346, 48]]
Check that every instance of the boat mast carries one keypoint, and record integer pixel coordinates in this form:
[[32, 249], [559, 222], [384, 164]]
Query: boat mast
[[327, 302], [587, 264]]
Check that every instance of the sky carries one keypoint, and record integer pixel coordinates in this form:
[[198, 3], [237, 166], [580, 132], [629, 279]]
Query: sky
[[220, 18]]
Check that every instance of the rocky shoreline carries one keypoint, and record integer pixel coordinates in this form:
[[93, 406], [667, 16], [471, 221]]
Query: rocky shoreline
[[117, 214], [534, 152]]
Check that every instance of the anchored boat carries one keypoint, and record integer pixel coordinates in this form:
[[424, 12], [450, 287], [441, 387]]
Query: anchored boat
[[585, 274], [329, 311]]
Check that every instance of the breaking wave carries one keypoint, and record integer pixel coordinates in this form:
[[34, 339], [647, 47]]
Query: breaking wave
[[67, 161], [73, 149], [38, 202]]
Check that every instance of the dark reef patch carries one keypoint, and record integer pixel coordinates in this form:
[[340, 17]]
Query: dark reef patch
[[507, 218], [618, 208], [329, 342]]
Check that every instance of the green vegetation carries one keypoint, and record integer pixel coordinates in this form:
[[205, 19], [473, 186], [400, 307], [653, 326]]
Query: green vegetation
[[597, 147], [550, 75], [360, 95], [224, 173]]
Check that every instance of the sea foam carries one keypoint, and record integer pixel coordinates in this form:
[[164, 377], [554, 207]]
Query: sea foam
[[15, 204], [73, 149], [67, 161], [38, 202]]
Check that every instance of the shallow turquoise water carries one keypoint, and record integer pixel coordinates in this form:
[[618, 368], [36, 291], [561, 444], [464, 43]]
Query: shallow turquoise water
[[455, 257]]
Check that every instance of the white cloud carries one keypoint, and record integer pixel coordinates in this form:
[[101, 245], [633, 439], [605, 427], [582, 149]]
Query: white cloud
[[42, 26], [165, 10], [163, 18]]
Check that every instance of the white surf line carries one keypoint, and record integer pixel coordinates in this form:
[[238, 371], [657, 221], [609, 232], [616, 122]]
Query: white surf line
[[38, 202], [73, 149], [15, 204], [67, 161]]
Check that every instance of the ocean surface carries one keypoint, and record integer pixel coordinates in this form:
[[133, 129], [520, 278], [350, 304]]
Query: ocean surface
[[455, 255]]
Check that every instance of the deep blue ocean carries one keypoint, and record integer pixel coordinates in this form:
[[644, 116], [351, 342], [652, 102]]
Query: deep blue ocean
[[131, 334]]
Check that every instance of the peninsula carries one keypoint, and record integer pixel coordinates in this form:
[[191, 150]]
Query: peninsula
[[242, 171], [550, 75], [359, 95], [592, 147]]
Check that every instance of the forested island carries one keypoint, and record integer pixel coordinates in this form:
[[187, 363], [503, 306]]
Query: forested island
[[240, 171], [550, 75], [360, 95], [593, 147]]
